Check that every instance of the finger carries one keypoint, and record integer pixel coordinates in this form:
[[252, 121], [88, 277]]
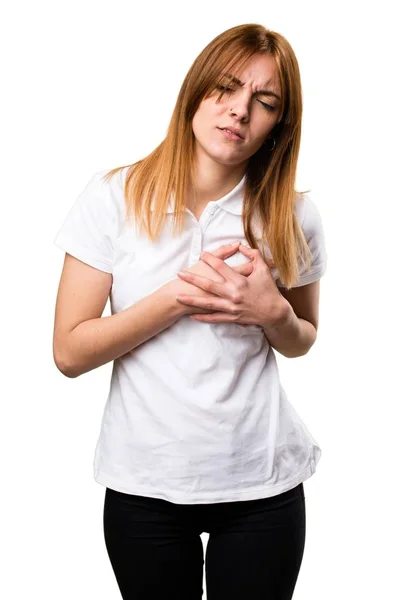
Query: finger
[[204, 283], [202, 311], [226, 250], [215, 317], [220, 266], [216, 304], [244, 269], [255, 254]]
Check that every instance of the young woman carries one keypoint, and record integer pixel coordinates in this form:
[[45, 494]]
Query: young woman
[[211, 260]]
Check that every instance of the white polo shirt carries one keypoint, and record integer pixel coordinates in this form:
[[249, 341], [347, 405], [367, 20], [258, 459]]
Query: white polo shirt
[[197, 413]]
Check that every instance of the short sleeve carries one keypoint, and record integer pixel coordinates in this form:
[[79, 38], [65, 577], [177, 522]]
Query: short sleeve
[[314, 233], [87, 232]]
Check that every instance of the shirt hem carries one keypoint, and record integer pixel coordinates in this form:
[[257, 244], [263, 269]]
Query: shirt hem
[[311, 277], [69, 245], [252, 494]]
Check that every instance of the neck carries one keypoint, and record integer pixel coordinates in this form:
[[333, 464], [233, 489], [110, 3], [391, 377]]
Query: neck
[[213, 180]]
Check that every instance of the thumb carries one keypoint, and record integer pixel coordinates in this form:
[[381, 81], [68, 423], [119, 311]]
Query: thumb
[[254, 254], [251, 253]]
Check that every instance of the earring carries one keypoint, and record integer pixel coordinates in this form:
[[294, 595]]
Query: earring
[[274, 142]]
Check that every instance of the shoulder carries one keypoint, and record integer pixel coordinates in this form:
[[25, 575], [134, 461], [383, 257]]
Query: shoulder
[[111, 183], [103, 196], [91, 227], [308, 215]]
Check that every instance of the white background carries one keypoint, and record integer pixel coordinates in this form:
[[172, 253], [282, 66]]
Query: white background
[[91, 86]]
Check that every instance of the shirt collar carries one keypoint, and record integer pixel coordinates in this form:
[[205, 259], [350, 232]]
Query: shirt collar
[[232, 202]]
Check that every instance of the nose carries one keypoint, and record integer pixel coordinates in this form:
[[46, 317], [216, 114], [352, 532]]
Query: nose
[[240, 108]]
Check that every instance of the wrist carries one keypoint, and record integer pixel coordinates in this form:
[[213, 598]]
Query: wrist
[[171, 290]]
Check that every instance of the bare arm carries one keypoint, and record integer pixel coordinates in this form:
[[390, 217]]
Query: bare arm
[[293, 337], [95, 342], [298, 332], [83, 340]]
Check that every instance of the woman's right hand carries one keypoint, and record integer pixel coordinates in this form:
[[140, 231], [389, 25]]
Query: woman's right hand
[[205, 270]]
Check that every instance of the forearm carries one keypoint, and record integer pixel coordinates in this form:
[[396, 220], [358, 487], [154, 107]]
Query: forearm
[[98, 341], [293, 337]]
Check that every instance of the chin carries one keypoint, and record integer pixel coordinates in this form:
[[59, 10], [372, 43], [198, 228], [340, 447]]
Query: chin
[[221, 155], [225, 160]]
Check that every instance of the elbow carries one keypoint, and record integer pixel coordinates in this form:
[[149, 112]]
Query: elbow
[[305, 350], [64, 365], [294, 354], [311, 340], [298, 353], [67, 370]]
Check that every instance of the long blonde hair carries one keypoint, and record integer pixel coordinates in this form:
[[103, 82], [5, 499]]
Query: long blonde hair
[[270, 175]]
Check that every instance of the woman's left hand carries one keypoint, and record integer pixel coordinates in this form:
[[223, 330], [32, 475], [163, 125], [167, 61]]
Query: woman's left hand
[[252, 300]]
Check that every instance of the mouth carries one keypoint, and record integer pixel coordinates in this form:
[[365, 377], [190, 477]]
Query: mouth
[[231, 135]]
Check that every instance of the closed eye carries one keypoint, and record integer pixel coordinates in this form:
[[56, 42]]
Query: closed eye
[[224, 88], [267, 106]]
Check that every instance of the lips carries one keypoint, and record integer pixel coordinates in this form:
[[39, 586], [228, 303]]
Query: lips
[[232, 131]]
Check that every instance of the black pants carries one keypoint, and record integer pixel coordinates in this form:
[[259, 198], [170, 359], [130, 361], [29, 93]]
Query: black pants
[[254, 551]]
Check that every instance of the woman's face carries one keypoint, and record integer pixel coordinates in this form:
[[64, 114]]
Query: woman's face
[[244, 107]]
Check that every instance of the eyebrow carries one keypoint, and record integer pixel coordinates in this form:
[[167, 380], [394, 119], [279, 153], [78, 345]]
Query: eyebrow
[[264, 92]]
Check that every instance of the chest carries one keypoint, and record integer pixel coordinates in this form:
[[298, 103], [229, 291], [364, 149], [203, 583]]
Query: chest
[[142, 266]]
